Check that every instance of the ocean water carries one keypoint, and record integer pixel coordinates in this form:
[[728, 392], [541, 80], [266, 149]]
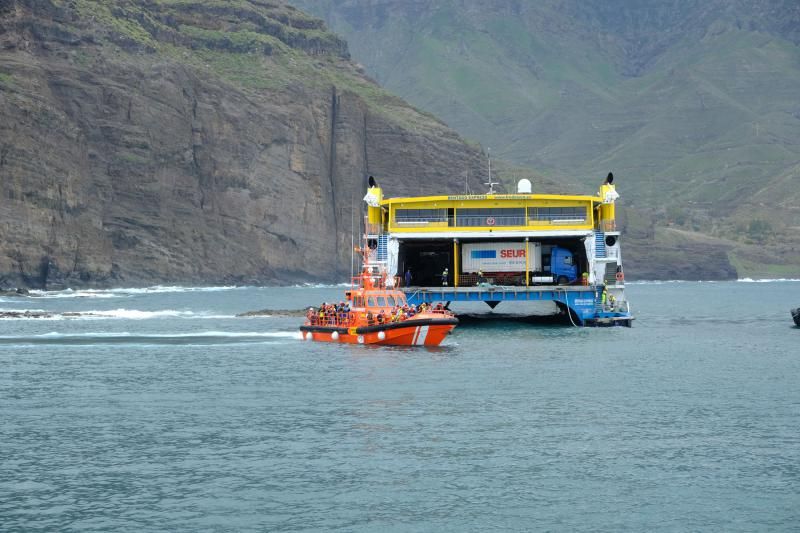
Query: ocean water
[[163, 411]]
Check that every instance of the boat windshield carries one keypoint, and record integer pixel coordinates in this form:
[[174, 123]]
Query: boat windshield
[[376, 301], [385, 300]]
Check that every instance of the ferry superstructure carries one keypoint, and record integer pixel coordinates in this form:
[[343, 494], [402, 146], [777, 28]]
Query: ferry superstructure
[[505, 247]]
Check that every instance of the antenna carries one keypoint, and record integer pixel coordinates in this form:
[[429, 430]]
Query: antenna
[[352, 237], [490, 183]]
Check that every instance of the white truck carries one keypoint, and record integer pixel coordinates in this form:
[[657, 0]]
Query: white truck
[[509, 258]]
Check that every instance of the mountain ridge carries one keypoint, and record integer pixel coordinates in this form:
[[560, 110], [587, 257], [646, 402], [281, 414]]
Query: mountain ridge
[[692, 104]]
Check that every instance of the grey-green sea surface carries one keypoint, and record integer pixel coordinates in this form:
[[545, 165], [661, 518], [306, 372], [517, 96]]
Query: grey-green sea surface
[[166, 412]]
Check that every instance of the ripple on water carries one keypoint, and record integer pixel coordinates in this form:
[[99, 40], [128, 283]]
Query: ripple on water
[[687, 421]]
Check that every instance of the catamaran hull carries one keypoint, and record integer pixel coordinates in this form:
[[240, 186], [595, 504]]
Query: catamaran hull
[[407, 333]]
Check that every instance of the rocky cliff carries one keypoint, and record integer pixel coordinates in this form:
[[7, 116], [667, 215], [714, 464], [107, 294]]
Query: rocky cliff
[[194, 142]]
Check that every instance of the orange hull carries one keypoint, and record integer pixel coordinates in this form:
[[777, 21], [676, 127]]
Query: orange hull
[[409, 333]]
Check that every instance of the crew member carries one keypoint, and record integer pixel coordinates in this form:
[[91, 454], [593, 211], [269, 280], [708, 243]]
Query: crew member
[[445, 276]]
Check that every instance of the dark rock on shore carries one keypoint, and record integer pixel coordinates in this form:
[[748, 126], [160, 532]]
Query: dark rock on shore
[[15, 292], [26, 314]]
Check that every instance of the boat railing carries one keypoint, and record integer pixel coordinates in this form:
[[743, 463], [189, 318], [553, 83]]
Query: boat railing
[[341, 320], [347, 319]]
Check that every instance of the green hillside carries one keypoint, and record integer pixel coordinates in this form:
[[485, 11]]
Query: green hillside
[[692, 104]]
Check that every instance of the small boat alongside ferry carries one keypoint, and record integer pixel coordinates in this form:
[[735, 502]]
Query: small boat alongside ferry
[[375, 314]]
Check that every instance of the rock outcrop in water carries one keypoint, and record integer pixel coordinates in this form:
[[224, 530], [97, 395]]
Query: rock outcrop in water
[[199, 142]]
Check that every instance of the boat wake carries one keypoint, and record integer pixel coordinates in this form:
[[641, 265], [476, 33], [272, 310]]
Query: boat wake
[[204, 338], [127, 314]]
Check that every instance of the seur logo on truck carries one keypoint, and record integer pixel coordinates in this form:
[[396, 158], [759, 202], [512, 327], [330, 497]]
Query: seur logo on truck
[[512, 253]]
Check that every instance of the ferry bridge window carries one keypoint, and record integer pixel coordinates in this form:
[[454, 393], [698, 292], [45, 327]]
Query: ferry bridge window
[[502, 216], [381, 301], [371, 301], [557, 214], [419, 216]]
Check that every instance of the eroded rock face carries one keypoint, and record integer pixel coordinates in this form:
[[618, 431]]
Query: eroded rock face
[[121, 167]]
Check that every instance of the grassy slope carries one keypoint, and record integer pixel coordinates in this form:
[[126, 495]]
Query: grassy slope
[[254, 45], [708, 132]]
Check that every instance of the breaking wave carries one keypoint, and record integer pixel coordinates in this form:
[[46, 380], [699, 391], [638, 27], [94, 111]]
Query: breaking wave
[[322, 285], [767, 280], [121, 293]]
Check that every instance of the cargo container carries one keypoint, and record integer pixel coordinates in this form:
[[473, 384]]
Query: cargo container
[[509, 257], [499, 257]]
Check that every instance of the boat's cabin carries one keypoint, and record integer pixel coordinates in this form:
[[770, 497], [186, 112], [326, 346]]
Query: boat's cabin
[[378, 299]]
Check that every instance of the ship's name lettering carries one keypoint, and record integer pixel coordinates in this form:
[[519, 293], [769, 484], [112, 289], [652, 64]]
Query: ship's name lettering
[[487, 197]]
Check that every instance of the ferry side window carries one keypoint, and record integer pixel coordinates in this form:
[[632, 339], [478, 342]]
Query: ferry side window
[[391, 301], [381, 301], [371, 301]]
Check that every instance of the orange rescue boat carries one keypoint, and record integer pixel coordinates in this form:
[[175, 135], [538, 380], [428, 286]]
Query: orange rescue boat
[[376, 314]]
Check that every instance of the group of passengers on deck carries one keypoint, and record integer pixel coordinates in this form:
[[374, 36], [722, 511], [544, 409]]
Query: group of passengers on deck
[[330, 314]]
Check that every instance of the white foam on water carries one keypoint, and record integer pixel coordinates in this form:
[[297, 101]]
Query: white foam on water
[[123, 334], [69, 293], [296, 335], [123, 292], [134, 314], [125, 314], [322, 285], [767, 280], [156, 289]]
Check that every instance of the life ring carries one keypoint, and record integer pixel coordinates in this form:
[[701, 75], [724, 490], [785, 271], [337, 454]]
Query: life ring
[[490, 221], [620, 276]]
